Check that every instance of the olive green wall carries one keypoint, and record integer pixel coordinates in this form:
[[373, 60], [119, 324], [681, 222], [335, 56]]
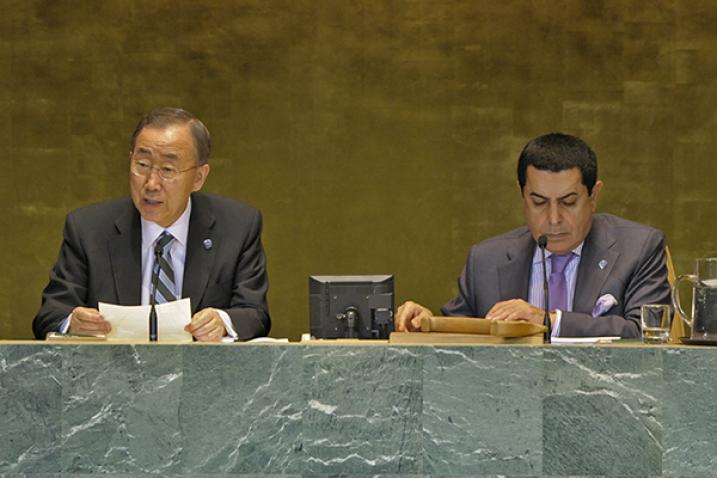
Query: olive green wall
[[375, 136]]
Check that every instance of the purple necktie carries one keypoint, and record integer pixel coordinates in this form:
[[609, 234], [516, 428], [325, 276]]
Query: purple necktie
[[557, 285]]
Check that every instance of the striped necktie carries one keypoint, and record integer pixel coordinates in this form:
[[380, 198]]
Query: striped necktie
[[166, 290]]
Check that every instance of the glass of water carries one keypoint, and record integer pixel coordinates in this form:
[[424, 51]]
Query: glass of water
[[656, 321]]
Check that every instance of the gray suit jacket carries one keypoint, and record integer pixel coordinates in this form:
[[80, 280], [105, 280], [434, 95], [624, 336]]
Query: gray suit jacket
[[100, 261], [635, 274]]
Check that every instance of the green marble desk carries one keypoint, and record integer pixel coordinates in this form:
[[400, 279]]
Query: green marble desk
[[307, 410]]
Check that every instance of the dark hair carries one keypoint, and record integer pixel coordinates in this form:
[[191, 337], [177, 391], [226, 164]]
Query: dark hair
[[557, 152], [163, 117]]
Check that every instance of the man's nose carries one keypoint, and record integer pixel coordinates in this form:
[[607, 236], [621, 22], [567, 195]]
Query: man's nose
[[554, 213], [153, 180]]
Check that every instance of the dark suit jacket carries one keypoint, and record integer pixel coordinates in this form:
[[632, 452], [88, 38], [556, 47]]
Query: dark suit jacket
[[100, 260], [635, 274]]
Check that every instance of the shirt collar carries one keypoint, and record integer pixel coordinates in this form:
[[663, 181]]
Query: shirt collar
[[538, 257], [179, 228]]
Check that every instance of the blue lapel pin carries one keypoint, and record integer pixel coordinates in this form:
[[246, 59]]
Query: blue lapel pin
[[207, 244], [602, 264]]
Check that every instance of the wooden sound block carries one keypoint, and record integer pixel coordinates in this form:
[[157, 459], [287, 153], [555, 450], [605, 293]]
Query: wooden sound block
[[472, 325], [443, 338]]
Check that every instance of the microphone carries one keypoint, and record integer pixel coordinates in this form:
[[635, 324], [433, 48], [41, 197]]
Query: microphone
[[153, 296], [542, 243]]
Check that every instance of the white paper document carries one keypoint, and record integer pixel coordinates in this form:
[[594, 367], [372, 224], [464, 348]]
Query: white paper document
[[132, 322], [267, 340], [583, 340]]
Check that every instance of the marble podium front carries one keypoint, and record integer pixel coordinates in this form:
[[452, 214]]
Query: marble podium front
[[355, 410]]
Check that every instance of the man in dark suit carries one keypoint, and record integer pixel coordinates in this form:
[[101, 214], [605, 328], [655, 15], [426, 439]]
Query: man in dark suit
[[213, 246], [608, 267]]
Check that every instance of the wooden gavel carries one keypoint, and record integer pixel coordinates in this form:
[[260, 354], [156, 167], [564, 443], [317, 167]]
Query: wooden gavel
[[471, 325]]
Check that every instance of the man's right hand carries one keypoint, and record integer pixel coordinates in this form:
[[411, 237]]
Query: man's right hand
[[85, 320], [409, 315]]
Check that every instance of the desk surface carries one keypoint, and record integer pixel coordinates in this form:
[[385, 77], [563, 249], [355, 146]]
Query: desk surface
[[296, 409]]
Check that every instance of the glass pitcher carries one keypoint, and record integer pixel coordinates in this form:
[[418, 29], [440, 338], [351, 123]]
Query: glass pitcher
[[704, 299]]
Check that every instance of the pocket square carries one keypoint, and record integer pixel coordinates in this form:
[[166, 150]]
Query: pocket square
[[603, 304]]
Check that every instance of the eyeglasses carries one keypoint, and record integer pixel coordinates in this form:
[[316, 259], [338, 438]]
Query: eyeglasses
[[143, 168]]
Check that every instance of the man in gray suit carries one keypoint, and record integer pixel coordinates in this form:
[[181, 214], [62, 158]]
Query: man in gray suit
[[188, 243], [602, 268]]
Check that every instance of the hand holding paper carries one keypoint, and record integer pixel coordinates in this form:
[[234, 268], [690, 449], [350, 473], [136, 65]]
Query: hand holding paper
[[206, 326], [85, 320], [132, 322]]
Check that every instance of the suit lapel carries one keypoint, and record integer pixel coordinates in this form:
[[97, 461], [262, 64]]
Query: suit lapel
[[125, 257], [512, 279], [598, 259], [202, 245]]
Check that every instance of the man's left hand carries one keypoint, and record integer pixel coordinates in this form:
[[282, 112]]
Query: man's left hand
[[516, 309], [206, 326]]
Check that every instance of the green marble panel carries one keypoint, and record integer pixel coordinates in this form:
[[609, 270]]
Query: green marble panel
[[602, 411], [241, 409], [30, 475], [363, 410], [690, 412], [176, 475], [482, 412], [356, 411], [361, 475], [121, 409], [30, 407]]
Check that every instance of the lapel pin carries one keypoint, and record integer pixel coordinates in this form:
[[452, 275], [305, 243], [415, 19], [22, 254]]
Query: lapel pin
[[602, 264], [207, 244]]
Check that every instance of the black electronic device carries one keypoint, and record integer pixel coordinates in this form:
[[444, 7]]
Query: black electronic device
[[351, 306]]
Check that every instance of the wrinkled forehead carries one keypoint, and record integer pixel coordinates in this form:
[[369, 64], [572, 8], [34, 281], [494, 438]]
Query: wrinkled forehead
[[173, 143], [142, 151]]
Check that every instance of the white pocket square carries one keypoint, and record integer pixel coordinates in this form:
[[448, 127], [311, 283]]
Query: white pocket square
[[603, 304]]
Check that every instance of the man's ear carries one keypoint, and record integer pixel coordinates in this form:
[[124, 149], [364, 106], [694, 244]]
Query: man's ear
[[200, 176], [595, 194]]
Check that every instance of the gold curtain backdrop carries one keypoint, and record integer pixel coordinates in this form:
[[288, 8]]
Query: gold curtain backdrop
[[375, 136]]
